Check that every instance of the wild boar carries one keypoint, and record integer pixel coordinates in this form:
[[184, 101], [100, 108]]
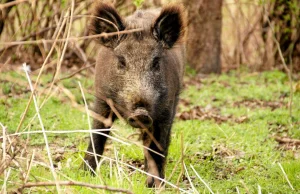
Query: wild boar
[[142, 74]]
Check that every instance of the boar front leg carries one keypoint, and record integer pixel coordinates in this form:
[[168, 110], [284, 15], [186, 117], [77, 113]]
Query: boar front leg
[[154, 163], [101, 108]]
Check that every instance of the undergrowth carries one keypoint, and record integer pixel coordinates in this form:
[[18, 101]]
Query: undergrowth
[[230, 142]]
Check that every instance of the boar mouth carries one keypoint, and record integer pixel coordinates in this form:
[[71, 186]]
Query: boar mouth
[[140, 118]]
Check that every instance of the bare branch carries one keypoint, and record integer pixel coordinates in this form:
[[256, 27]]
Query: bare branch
[[74, 183]]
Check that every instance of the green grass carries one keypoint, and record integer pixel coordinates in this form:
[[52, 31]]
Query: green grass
[[227, 155]]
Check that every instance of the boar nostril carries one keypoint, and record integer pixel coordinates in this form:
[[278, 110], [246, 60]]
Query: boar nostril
[[140, 119]]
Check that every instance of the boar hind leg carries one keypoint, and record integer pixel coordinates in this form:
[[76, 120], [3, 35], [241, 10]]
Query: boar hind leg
[[154, 163], [99, 140]]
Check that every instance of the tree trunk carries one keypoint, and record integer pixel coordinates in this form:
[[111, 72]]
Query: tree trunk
[[204, 35]]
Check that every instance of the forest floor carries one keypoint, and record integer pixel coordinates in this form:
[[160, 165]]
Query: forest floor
[[233, 133]]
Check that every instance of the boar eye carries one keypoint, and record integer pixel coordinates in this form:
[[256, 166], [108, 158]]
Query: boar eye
[[122, 62], [155, 63]]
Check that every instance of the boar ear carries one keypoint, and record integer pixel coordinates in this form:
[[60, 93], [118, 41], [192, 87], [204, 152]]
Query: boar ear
[[169, 26], [106, 20]]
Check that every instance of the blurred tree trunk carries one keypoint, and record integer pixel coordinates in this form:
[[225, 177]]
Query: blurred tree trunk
[[204, 35]]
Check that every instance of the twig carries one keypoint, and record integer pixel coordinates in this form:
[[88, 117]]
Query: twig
[[43, 129], [75, 72], [287, 140], [285, 176], [75, 183]]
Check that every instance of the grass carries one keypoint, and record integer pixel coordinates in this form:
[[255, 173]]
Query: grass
[[229, 156]]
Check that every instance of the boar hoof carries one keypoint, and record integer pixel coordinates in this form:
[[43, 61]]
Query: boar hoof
[[89, 164], [153, 183]]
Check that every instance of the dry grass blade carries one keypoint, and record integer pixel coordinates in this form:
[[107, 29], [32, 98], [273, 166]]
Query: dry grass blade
[[6, 175], [285, 176], [206, 185], [3, 189], [43, 129], [29, 167], [237, 190], [89, 123], [190, 180], [259, 189], [245, 186]]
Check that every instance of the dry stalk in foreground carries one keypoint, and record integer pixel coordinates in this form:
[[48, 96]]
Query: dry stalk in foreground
[[73, 183], [43, 129]]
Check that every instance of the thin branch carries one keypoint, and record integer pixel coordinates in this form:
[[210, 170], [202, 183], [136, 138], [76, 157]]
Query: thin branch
[[75, 72], [42, 41], [75, 183]]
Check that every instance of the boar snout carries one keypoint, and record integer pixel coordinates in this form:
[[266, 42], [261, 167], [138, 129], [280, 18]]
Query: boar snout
[[140, 118]]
